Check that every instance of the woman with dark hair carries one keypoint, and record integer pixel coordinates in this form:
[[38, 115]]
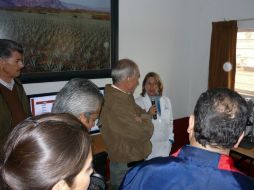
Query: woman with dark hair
[[159, 107], [48, 152]]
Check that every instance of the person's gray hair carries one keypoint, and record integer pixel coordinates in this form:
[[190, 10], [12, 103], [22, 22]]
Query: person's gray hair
[[78, 96], [124, 68]]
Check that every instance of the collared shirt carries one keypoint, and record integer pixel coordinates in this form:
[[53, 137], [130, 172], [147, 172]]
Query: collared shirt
[[8, 85]]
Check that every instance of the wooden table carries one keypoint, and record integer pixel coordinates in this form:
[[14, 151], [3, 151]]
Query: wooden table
[[100, 156], [98, 144], [247, 152]]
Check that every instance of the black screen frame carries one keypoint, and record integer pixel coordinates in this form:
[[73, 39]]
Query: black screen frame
[[38, 77]]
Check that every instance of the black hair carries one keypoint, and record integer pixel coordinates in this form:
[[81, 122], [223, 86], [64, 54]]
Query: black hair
[[9, 46], [220, 118]]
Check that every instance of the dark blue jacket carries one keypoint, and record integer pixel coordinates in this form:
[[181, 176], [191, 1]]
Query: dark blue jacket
[[191, 169]]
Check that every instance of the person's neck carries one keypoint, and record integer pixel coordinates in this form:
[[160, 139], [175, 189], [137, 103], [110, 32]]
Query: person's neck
[[6, 79], [121, 87], [210, 148]]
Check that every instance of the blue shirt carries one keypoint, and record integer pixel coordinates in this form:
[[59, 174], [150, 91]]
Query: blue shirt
[[191, 169]]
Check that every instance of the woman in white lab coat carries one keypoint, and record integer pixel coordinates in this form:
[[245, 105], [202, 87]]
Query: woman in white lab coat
[[163, 136]]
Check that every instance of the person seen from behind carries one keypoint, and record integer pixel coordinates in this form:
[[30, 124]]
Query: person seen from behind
[[126, 128], [49, 152], [81, 98], [217, 125]]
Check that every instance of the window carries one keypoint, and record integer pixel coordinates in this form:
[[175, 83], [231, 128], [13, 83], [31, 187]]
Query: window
[[244, 79]]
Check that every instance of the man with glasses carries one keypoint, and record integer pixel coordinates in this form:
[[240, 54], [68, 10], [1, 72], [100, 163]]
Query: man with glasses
[[14, 106], [81, 98]]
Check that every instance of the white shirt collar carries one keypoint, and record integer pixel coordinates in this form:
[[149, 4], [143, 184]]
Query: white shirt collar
[[113, 86], [8, 85]]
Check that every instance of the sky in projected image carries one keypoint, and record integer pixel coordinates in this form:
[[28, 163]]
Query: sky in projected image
[[95, 4]]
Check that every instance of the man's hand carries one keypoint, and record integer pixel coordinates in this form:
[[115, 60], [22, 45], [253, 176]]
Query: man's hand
[[138, 119]]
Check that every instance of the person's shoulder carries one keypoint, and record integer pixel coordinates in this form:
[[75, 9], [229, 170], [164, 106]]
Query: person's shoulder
[[108, 86], [109, 90], [17, 81], [159, 163], [165, 99], [139, 98], [157, 168]]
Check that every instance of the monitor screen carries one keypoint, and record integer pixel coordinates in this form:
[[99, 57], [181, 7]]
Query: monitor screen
[[102, 90], [41, 103]]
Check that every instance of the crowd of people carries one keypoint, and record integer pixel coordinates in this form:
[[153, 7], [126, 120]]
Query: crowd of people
[[53, 150]]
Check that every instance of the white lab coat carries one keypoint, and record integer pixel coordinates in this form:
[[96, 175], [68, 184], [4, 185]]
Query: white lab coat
[[163, 126]]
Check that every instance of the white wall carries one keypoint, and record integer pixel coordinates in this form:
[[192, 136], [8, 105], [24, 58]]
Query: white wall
[[36, 88], [172, 38]]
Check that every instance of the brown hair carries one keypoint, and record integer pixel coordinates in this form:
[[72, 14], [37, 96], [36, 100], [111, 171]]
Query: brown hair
[[43, 150], [158, 80]]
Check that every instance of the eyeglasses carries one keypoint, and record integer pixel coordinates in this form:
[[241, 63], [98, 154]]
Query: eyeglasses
[[96, 120]]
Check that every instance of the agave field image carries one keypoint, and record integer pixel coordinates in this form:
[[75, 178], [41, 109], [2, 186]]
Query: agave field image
[[58, 36]]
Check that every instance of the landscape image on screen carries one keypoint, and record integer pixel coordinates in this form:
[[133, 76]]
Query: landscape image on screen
[[59, 35]]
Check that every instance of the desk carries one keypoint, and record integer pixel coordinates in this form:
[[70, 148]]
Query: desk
[[100, 157], [98, 144], [245, 154]]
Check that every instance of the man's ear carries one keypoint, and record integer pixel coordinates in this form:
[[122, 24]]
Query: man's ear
[[239, 140], [61, 185], [84, 118], [191, 124], [190, 129]]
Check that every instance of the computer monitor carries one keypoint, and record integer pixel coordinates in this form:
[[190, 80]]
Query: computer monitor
[[41, 103], [102, 90]]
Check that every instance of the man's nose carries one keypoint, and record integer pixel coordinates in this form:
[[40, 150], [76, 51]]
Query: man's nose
[[21, 64]]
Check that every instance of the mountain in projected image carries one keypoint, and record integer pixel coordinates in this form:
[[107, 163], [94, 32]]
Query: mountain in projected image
[[31, 3], [85, 7], [6, 3], [56, 4], [59, 35]]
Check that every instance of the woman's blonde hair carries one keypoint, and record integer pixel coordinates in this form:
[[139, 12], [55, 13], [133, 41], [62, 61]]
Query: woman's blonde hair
[[158, 80]]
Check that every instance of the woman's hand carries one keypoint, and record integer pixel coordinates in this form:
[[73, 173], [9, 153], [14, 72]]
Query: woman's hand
[[152, 110]]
